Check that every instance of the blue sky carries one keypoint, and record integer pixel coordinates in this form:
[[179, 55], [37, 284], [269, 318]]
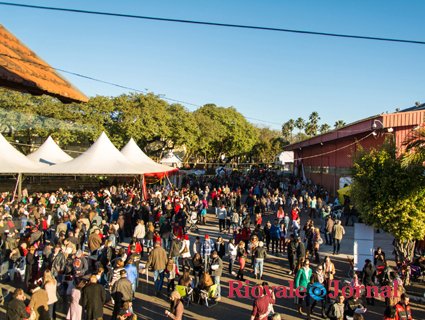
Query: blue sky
[[271, 76]]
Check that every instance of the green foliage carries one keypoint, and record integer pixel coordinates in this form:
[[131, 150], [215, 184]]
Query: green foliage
[[415, 148], [324, 128], [270, 144], [223, 131], [339, 124], [389, 196], [156, 126]]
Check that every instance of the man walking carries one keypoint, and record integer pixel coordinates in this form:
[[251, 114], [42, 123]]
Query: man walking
[[222, 215], [216, 271], [260, 255], [157, 261], [338, 233]]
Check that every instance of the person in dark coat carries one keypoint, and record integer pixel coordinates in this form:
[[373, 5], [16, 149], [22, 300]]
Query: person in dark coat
[[368, 279], [16, 309], [93, 299], [122, 291], [31, 266]]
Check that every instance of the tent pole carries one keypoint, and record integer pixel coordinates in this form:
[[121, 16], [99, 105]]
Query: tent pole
[[19, 186], [16, 188], [168, 179]]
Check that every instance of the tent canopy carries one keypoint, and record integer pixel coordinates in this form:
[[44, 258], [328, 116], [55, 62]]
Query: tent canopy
[[102, 158], [12, 161], [171, 160], [147, 166], [49, 153]]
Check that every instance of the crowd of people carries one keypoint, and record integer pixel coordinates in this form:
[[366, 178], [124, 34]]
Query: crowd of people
[[86, 249]]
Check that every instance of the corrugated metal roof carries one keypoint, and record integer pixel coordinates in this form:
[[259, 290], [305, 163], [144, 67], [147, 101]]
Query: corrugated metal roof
[[415, 108], [403, 119], [21, 69], [390, 120]]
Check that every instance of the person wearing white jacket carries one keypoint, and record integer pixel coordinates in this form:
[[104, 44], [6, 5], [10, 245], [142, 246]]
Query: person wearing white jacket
[[232, 251], [140, 232], [185, 251]]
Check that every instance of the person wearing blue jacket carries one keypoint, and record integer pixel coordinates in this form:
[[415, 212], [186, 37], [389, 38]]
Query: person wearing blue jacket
[[275, 235], [132, 274]]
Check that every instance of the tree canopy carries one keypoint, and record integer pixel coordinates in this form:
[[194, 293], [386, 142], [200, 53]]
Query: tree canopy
[[204, 135], [389, 196]]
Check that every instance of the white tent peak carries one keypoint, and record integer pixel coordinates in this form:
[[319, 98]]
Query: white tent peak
[[12, 161], [102, 158], [147, 166], [133, 152], [49, 153]]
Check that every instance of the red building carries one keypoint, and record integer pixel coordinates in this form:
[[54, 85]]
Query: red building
[[327, 157]]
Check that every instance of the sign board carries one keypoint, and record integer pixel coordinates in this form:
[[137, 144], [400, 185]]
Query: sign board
[[363, 244]]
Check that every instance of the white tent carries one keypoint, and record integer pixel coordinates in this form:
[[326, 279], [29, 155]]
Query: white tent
[[12, 161], [146, 165], [285, 157], [102, 158], [171, 160], [49, 153]]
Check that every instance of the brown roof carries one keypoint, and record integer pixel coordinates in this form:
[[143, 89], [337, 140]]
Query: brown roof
[[21, 69]]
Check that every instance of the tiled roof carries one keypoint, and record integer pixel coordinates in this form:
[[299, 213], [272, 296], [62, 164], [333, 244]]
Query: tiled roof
[[21, 69]]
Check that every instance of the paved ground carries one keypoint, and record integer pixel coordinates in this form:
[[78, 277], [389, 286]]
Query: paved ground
[[149, 307]]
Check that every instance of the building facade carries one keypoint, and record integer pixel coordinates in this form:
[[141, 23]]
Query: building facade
[[328, 157]]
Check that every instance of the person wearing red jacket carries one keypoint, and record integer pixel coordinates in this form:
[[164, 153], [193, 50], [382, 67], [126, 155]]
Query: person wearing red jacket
[[403, 311]]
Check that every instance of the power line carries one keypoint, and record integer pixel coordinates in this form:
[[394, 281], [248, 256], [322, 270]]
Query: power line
[[215, 24], [118, 85]]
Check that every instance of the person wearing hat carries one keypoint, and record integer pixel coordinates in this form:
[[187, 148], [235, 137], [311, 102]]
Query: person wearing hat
[[80, 264], [260, 254], [121, 292], [206, 249]]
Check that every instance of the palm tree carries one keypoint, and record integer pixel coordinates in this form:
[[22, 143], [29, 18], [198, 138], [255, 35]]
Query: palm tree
[[286, 132], [313, 124], [300, 123], [339, 124], [415, 148], [324, 128]]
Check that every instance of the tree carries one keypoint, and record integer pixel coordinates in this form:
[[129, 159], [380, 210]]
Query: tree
[[415, 148], [270, 143], [324, 128], [390, 197], [287, 129], [223, 131], [339, 124], [312, 125], [300, 124]]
